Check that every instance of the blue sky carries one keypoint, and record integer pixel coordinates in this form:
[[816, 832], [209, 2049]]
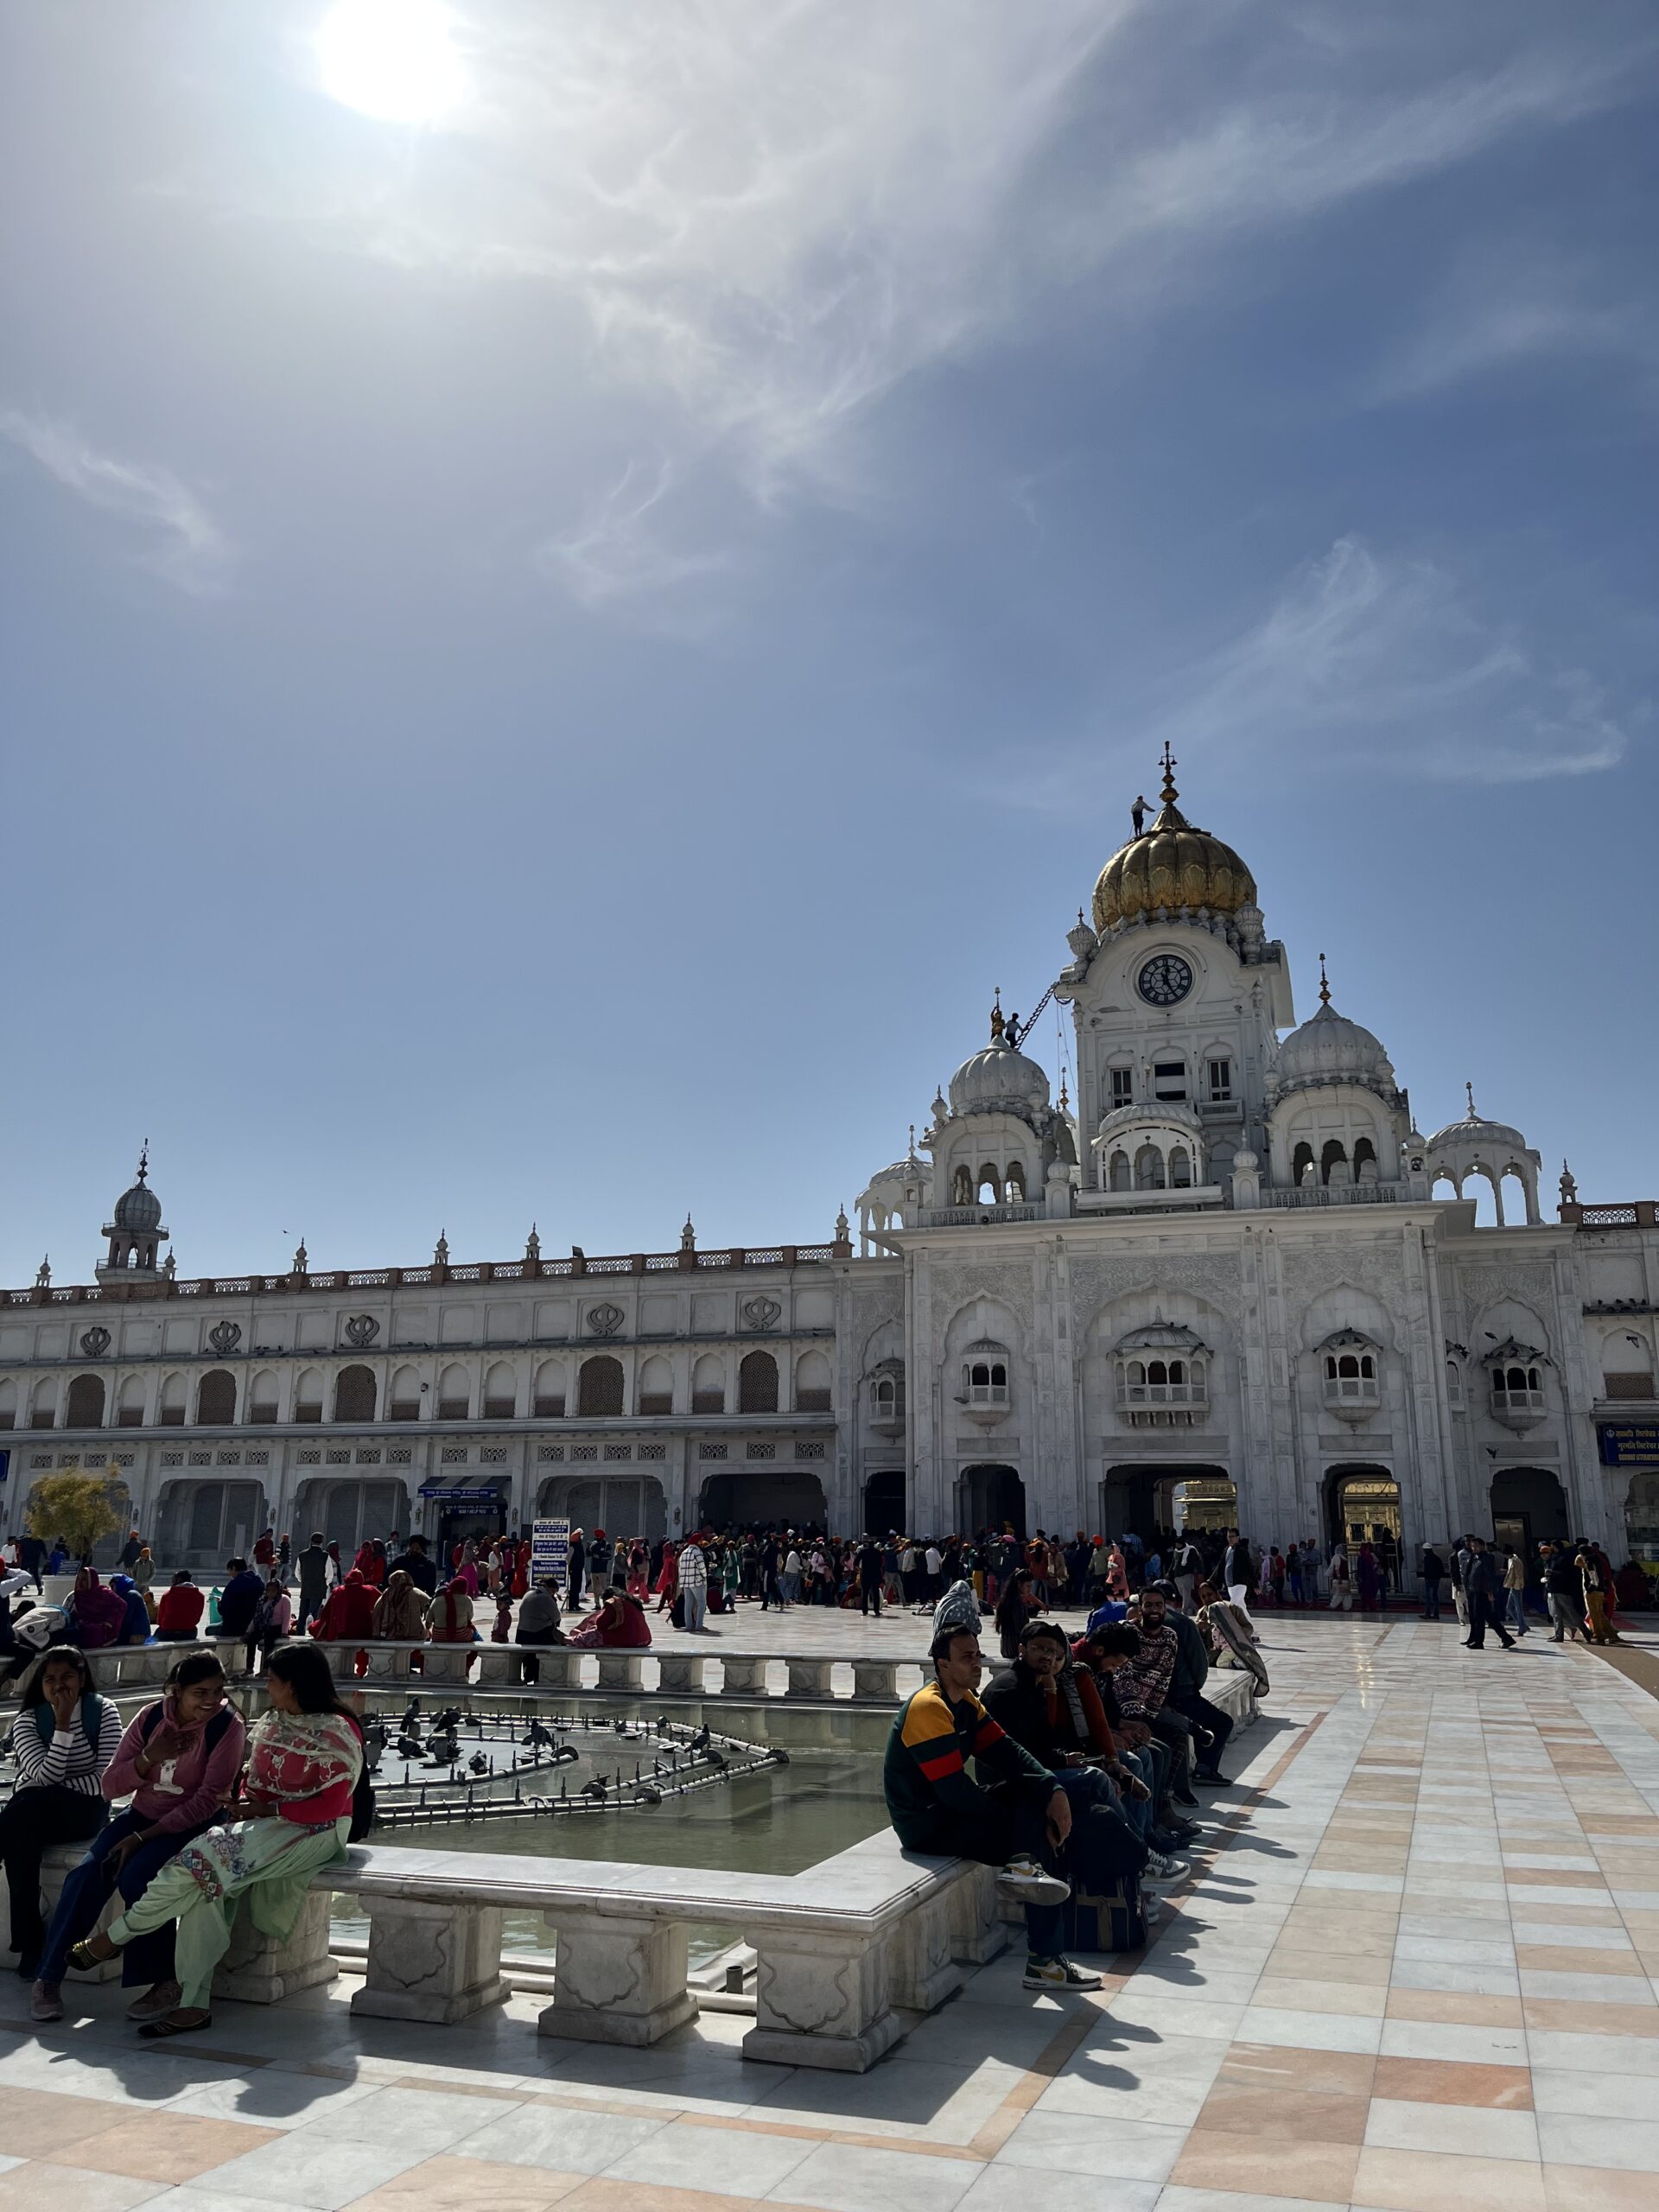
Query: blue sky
[[555, 653]]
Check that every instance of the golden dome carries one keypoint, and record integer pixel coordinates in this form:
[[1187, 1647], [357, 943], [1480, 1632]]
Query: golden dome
[[1172, 866]]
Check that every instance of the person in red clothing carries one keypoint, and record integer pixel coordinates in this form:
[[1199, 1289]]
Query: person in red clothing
[[179, 1614], [348, 1612], [521, 1571], [369, 1564]]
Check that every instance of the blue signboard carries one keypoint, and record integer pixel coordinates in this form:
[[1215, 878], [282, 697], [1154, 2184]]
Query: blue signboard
[[1629, 1443]]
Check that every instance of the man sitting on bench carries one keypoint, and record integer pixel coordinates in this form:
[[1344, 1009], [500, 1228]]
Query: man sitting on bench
[[1014, 1816]]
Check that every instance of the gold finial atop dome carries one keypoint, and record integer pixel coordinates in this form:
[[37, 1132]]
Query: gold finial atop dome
[[1172, 866], [998, 1022], [1325, 986]]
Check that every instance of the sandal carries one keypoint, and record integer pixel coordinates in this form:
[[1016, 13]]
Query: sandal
[[157, 2030], [85, 1959]]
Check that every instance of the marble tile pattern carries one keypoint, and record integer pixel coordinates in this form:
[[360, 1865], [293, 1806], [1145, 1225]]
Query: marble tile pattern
[[1415, 1961]]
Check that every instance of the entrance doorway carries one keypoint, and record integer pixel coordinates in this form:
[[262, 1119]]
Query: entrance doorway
[[1362, 1506], [624, 1506], [884, 1502], [479, 1519], [784, 1501], [205, 1524], [347, 1512], [989, 1497], [1528, 1507], [1146, 1499]]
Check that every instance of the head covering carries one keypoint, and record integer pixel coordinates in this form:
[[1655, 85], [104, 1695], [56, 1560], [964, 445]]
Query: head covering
[[956, 1613]]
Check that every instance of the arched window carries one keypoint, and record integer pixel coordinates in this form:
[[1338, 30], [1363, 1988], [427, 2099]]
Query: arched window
[[987, 1381], [549, 1389], [170, 1411], [1301, 1164], [216, 1398], [812, 1386], [1120, 1176], [85, 1406], [889, 1397], [403, 1402], [1351, 1373], [354, 1393], [261, 1397], [1013, 1189], [1453, 1384], [1157, 1372], [757, 1383], [454, 1395], [708, 1385], [961, 1187], [599, 1387], [501, 1392], [1180, 1169], [990, 1186], [1365, 1161], [8, 1405], [1150, 1168], [656, 1386], [1335, 1154], [129, 1403]]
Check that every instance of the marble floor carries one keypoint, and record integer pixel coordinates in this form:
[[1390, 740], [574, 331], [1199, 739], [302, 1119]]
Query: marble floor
[[1418, 1963]]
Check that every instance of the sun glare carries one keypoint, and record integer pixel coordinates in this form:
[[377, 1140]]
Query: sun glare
[[391, 59]]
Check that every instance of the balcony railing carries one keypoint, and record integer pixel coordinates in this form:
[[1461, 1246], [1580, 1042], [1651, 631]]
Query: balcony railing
[[1163, 1394], [1338, 1194], [1637, 1213], [971, 1217]]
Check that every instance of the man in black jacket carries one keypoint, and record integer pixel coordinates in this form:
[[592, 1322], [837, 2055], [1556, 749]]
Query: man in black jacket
[[1433, 1575], [422, 1570], [1564, 1590], [1485, 1593]]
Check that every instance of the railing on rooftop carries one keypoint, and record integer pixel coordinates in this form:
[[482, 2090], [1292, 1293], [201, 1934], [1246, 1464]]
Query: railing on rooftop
[[1635, 1213], [1338, 1194], [686, 1260]]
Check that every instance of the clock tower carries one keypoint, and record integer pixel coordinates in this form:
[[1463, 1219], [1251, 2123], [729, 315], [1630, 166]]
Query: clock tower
[[1177, 997]]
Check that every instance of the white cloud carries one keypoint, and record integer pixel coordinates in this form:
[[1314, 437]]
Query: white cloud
[[772, 215], [613, 552], [1362, 657], [179, 539]]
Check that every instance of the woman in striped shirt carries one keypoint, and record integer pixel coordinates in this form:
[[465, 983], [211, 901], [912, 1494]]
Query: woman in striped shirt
[[63, 1737]]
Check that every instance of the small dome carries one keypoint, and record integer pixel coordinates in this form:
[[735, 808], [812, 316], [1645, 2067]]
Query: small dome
[[999, 1080], [1173, 866], [138, 1210], [1332, 1049], [1475, 1129]]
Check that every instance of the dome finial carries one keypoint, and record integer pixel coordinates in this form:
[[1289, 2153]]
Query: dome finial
[[998, 1025], [1065, 1102], [1169, 794], [1324, 986], [1469, 1093], [143, 1159]]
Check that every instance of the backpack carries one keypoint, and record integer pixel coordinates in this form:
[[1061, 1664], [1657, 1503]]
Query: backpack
[[149, 1721], [91, 1719]]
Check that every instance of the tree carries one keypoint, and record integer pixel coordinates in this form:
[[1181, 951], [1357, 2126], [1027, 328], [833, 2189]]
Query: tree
[[81, 1509]]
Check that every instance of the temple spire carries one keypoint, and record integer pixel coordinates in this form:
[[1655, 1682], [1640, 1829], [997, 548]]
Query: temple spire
[[1324, 986], [1169, 794]]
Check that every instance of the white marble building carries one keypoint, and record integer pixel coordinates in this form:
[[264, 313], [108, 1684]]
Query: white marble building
[[1235, 1281]]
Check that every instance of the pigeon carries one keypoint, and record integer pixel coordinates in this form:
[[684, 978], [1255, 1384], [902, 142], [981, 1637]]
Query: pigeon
[[700, 1741], [479, 1764]]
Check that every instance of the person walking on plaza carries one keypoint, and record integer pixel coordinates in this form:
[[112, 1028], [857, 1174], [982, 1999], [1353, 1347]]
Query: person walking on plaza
[[1433, 1575], [1593, 1581], [694, 1584], [1564, 1591], [576, 1570], [870, 1572], [313, 1564], [1484, 1590], [1462, 1559], [1342, 1582], [1515, 1583], [1238, 1572]]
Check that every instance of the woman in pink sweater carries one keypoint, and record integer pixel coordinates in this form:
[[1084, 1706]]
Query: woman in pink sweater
[[179, 1759]]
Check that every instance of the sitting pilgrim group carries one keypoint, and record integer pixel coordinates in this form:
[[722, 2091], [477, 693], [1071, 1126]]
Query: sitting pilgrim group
[[214, 1810], [1073, 1773]]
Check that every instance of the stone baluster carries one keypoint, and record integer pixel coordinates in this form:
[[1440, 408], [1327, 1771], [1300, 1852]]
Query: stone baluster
[[876, 1680], [388, 1663], [978, 1932], [561, 1667], [810, 1677], [258, 1970], [922, 1968], [743, 1674], [820, 1999], [447, 1662], [617, 1978], [680, 1673], [435, 1962], [498, 1666], [621, 1670]]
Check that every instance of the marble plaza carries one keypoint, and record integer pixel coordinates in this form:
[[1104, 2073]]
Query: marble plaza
[[1419, 1965]]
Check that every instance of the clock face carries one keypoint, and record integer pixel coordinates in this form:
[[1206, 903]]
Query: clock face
[[1165, 980]]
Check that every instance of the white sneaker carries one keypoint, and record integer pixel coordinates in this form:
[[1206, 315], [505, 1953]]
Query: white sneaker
[[1059, 1974], [1159, 1869], [1031, 1883]]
